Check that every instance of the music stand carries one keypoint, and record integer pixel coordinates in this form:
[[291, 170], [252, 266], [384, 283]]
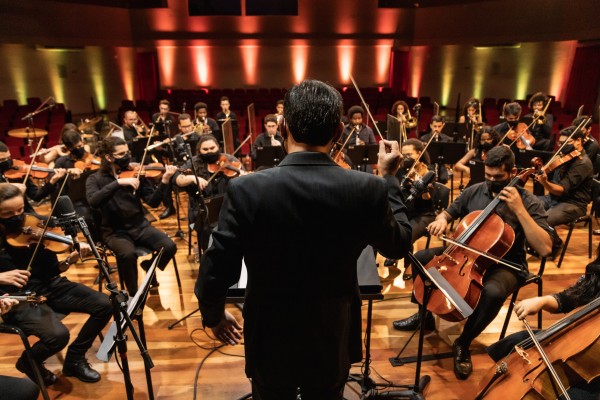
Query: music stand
[[269, 156], [477, 169], [523, 157], [137, 147], [227, 130], [451, 129], [463, 132], [446, 153], [393, 128], [363, 155]]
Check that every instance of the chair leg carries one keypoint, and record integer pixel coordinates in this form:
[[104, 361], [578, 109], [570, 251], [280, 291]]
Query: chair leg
[[566, 244], [176, 272], [590, 231], [32, 363], [509, 313]]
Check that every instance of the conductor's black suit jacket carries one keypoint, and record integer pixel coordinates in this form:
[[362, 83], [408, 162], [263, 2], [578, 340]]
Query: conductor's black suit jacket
[[300, 228]]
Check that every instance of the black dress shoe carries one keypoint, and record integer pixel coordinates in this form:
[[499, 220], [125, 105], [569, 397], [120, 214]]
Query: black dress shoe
[[146, 266], [462, 361], [81, 370], [167, 213], [48, 377], [412, 323]]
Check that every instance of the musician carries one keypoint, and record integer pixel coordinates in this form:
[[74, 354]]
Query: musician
[[63, 296], [279, 110], [132, 127], [541, 132], [50, 154], [525, 213], [400, 110], [29, 189], [205, 125], [511, 113], [225, 112], [569, 187], [163, 117], [470, 112], [436, 125], [589, 143], [119, 200], [208, 153], [486, 139], [11, 387], [305, 285], [270, 137]]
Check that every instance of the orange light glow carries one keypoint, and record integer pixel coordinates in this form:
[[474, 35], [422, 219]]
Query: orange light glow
[[563, 55], [250, 59], [417, 63], [166, 64], [299, 61], [200, 58], [345, 62], [382, 57], [125, 57]]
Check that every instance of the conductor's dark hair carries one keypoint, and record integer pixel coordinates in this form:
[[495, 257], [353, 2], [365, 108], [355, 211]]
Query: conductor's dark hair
[[499, 156], [512, 109], [313, 112]]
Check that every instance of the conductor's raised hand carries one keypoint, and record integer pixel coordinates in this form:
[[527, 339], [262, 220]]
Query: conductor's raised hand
[[389, 157], [228, 331]]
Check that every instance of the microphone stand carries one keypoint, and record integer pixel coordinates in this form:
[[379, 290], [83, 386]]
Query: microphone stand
[[179, 234], [29, 118], [118, 298]]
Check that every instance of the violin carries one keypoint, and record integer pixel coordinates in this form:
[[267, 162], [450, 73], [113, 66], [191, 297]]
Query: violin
[[483, 231], [151, 171], [520, 134], [89, 162], [30, 234], [19, 170], [227, 167], [415, 174], [572, 346], [29, 298]]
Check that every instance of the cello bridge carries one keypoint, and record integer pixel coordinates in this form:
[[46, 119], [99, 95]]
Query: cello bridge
[[523, 354]]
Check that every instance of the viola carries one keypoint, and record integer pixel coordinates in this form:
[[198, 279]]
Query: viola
[[30, 234], [19, 170], [227, 167], [520, 134], [573, 348], [481, 230], [89, 162], [151, 171], [557, 162]]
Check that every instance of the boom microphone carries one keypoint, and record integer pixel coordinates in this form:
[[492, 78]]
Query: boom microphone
[[417, 107], [420, 186], [67, 217]]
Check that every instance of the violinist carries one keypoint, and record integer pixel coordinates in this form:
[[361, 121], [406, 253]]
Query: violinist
[[583, 291], [63, 296], [569, 186], [208, 154], [204, 125], [132, 127], [163, 117], [511, 113], [543, 130], [521, 210], [50, 154], [486, 139], [590, 144], [119, 200], [270, 137]]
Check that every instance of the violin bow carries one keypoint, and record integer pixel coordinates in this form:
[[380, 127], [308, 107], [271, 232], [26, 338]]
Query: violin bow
[[242, 144], [546, 359], [412, 168], [144, 156], [581, 125], [41, 239], [492, 257], [33, 157], [345, 142], [366, 106]]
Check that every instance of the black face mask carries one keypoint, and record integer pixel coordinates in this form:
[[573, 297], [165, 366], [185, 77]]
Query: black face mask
[[13, 224], [408, 162], [78, 152], [123, 162], [496, 186], [6, 165], [210, 158], [486, 146], [567, 149]]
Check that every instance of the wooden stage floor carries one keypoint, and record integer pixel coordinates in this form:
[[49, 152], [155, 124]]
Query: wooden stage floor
[[177, 353]]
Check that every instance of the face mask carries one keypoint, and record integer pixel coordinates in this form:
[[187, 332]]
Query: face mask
[[13, 224], [6, 165], [123, 162], [78, 152], [486, 146], [496, 186], [210, 158], [408, 162], [568, 148]]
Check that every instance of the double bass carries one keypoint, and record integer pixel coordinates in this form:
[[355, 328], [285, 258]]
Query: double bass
[[480, 241]]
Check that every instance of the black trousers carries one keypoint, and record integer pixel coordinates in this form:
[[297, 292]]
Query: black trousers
[[43, 320], [12, 388], [498, 284], [123, 245]]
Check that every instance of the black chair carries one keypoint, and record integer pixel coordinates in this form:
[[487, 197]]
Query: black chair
[[532, 278], [6, 328]]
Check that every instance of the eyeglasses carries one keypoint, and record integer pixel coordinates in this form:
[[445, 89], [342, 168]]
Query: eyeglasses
[[121, 155]]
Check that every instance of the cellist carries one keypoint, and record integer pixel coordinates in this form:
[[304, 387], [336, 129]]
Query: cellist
[[521, 210]]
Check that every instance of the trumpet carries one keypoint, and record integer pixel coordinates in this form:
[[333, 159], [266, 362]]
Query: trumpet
[[541, 117]]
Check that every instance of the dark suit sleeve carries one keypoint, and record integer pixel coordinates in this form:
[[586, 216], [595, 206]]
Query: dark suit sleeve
[[221, 264], [393, 237]]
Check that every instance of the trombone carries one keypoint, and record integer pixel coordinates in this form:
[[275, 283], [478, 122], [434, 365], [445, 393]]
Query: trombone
[[411, 121]]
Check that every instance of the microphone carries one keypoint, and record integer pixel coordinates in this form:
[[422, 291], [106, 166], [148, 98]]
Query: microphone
[[420, 186], [417, 107], [67, 216]]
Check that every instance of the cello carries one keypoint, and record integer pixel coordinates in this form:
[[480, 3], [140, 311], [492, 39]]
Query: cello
[[479, 241], [571, 345]]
